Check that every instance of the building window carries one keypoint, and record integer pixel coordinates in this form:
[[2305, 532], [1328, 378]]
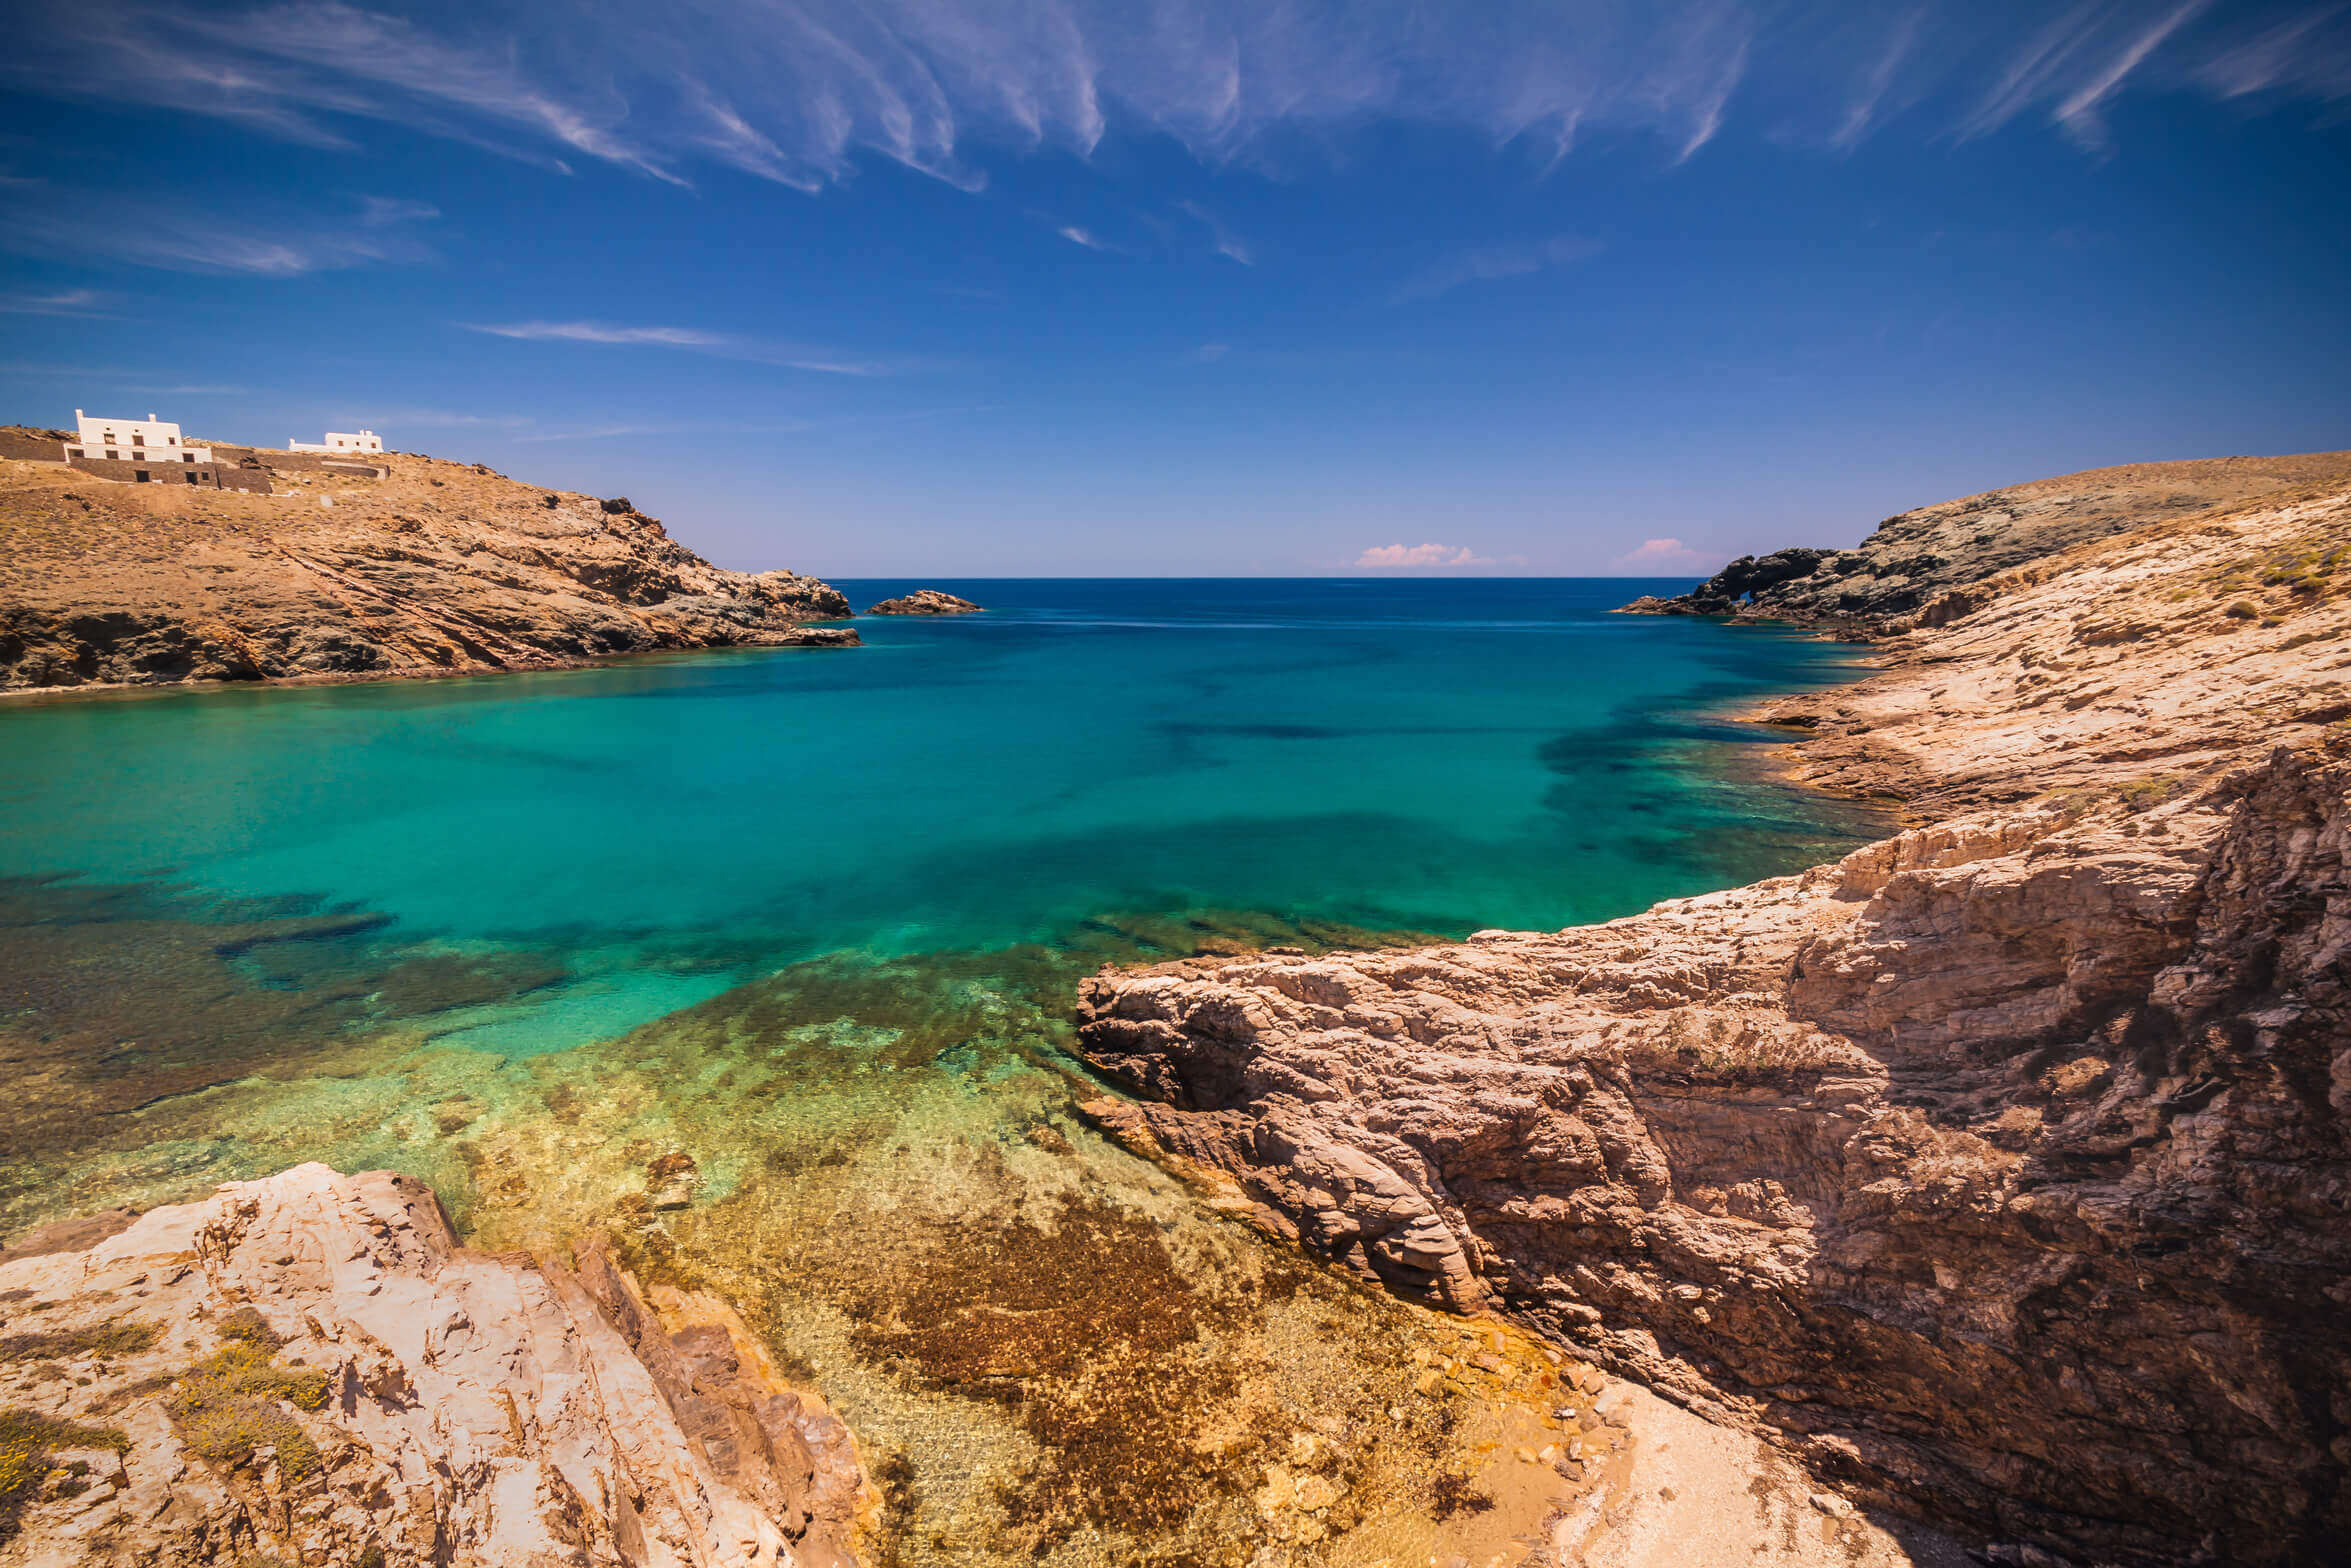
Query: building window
[[112, 454], [191, 479], [73, 451], [143, 476], [187, 457]]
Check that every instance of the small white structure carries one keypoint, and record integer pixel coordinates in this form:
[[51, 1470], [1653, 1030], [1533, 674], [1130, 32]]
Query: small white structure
[[340, 441], [148, 440]]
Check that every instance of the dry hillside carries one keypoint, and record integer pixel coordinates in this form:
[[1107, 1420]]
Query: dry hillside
[[437, 567]]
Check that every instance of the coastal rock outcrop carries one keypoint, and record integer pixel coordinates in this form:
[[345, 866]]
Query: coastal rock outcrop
[[309, 1369], [1894, 578], [925, 601], [409, 566], [2003, 1168]]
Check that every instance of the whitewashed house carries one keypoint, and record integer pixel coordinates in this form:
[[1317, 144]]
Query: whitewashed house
[[340, 441], [148, 440]]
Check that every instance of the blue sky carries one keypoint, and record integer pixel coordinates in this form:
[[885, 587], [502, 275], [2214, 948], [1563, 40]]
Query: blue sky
[[1044, 287]]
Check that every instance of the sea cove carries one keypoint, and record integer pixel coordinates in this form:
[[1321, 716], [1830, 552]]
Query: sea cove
[[765, 960]]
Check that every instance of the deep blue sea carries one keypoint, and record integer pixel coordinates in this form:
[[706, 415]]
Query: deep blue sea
[[806, 925]]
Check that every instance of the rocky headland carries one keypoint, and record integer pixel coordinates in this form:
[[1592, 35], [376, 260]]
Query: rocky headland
[[1917, 568], [406, 565], [309, 1369], [925, 601], [2001, 1170]]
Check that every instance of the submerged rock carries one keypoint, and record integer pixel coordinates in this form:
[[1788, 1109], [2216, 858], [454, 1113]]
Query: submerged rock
[[308, 1368], [925, 601]]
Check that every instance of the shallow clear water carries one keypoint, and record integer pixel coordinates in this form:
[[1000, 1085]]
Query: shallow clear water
[[809, 921]]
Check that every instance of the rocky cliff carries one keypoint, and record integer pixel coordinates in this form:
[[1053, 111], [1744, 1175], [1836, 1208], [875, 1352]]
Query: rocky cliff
[[430, 567], [308, 1369], [2003, 1168], [1930, 556]]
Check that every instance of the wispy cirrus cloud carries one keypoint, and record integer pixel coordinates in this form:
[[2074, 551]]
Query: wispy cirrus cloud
[[1409, 555], [1227, 244], [1494, 262], [60, 302], [597, 332], [186, 237], [798, 91], [693, 339]]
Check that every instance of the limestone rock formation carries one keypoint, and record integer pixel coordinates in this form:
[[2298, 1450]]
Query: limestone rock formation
[[925, 601], [309, 1369], [431, 567], [1915, 559], [2003, 1167]]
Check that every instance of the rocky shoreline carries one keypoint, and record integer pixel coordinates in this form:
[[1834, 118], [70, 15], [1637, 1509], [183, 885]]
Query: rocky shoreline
[[413, 566], [308, 1368], [1999, 1170]]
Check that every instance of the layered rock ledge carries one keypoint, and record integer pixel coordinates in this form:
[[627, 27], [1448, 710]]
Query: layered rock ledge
[[416, 566], [2003, 1168], [309, 1369]]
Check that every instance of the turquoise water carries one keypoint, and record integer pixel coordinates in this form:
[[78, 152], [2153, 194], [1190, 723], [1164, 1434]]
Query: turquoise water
[[808, 924], [1426, 755]]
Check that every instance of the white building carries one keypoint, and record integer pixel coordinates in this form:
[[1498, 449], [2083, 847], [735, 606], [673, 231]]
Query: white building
[[340, 441], [148, 440]]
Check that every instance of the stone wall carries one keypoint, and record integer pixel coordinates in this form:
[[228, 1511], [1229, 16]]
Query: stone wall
[[210, 476], [30, 449]]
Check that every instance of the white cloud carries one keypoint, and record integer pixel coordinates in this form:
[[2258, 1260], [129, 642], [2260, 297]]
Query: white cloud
[[64, 302], [597, 332], [720, 345], [1227, 244], [154, 232], [1391, 555], [379, 211], [1666, 558], [1207, 353], [798, 91], [1499, 261], [1077, 236]]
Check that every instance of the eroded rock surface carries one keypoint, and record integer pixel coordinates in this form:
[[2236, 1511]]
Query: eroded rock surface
[[433, 567], [309, 1369], [925, 601], [1913, 560], [2003, 1167]]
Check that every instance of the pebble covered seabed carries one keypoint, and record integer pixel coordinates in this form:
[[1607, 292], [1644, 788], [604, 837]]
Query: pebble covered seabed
[[763, 964]]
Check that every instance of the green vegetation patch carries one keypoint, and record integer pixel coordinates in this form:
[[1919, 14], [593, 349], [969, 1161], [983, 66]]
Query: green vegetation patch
[[27, 1441], [248, 1327], [232, 1402], [2140, 794], [72, 1344]]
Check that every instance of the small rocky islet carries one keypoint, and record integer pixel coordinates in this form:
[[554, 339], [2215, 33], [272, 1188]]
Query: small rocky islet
[[1940, 1177], [925, 601]]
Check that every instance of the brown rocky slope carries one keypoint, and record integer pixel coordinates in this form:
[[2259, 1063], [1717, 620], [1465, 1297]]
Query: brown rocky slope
[[2003, 1167], [434, 567]]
